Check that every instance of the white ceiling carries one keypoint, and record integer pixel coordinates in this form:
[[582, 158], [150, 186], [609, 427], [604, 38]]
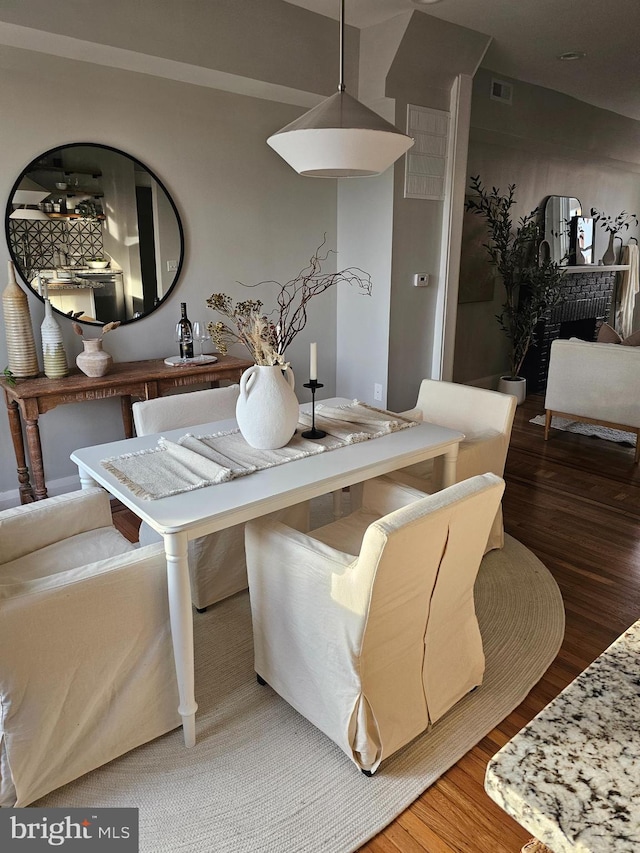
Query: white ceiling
[[528, 35]]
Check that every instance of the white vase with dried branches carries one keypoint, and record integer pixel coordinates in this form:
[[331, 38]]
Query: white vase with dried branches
[[267, 409]]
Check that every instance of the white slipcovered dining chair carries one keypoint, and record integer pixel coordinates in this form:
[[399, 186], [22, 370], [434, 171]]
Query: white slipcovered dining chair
[[86, 660], [217, 564], [485, 417], [367, 626]]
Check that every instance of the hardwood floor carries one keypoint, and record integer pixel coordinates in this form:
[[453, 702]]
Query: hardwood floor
[[575, 502]]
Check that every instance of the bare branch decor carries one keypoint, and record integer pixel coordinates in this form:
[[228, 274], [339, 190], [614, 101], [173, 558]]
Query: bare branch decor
[[267, 336]]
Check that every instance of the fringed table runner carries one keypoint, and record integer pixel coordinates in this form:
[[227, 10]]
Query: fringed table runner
[[204, 460]]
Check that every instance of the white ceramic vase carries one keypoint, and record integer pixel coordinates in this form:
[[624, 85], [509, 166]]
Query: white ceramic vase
[[93, 361], [516, 385], [267, 408], [53, 355]]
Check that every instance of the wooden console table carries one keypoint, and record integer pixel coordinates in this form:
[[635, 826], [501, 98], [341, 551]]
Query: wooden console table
[[144, 380]]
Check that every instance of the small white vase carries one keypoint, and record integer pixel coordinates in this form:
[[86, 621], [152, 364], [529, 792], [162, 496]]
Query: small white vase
[[93, 361], [514, 385], [53, 355], [267, 408]]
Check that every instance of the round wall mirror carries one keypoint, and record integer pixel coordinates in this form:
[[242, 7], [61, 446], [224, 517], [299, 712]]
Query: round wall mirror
[[95, 231]]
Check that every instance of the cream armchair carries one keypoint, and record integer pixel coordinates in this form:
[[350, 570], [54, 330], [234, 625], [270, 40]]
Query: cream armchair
[[367, 626], [485, 417], [86, 661], [596, 383], [217, 565]]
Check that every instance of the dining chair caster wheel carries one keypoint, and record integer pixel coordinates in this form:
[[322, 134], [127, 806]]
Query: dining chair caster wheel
[[260, 680]]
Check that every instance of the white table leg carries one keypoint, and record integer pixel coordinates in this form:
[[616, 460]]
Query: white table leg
[[86, 482], [337, 503], [181, 615], [449, 470]]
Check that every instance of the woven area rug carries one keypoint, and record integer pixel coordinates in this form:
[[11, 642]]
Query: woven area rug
[[595, 430], [262, 780]]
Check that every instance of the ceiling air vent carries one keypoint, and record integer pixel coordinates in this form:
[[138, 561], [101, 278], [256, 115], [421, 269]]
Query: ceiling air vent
[[501, 91]]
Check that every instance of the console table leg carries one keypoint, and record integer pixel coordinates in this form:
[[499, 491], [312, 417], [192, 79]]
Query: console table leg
[[127, 415], [181, 617], [35, 457], [15, 425]]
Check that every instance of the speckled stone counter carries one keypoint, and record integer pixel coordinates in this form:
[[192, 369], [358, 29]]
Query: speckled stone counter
[[572, 776]]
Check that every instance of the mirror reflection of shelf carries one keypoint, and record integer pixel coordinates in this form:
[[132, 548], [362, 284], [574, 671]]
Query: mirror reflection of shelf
[[74, 216]]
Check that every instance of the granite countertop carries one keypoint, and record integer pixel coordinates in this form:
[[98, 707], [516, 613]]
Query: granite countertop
[[572, 776]]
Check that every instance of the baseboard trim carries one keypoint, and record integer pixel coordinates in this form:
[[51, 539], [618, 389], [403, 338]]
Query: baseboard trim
[[54, 487]]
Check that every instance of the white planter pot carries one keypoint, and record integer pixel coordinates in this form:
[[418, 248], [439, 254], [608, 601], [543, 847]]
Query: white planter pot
[[516, 386], [267, 408]]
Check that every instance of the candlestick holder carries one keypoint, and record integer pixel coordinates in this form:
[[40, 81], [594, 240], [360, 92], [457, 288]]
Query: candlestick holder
[[313, 432]]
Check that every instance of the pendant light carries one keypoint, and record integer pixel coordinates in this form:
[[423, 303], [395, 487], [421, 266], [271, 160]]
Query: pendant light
[[340, 137]]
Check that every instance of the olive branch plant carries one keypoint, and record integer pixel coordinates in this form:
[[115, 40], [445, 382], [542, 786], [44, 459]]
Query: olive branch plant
[[531, 286], [267, 336]]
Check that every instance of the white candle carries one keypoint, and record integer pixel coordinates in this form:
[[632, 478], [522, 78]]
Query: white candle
[[313, 362]]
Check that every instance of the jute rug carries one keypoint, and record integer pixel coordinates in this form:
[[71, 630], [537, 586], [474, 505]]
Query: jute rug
[[262, 780], [606, 433]]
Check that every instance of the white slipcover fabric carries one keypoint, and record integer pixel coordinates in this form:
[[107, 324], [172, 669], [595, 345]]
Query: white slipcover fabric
[[596, 381], [217, 564], [485, 417], [86, 661], [367, 626]]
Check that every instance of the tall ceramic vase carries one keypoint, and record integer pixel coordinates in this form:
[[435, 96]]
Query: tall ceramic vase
[[53, 355], [609, 256], [21, 348], [267, 408]]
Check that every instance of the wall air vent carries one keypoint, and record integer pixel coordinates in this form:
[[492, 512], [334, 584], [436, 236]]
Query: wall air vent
[[501, 91], [425, 165]]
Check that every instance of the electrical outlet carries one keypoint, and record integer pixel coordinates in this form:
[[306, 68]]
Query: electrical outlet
[[421, 279], [172, 266], [377, 392]]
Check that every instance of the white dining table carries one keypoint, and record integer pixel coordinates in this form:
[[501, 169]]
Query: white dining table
[[196, 513]]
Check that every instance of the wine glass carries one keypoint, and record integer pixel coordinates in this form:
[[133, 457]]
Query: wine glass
[[200, 334], [184, 336]]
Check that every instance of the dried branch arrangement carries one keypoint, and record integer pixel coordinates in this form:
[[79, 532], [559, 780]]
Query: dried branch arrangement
[[108, 327], [267, 337]]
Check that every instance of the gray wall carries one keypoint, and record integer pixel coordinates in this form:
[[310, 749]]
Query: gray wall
[[247, 216], [546, 144]]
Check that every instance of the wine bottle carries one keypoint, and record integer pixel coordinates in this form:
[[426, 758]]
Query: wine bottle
[[186, 333]]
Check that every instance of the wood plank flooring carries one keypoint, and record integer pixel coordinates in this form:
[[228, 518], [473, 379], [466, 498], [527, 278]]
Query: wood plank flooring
[[575, 502]]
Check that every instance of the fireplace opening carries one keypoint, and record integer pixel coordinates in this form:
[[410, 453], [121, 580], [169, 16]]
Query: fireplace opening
[[584, 329]]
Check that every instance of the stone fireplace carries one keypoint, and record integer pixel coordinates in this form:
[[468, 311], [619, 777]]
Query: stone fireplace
[[588, 300]]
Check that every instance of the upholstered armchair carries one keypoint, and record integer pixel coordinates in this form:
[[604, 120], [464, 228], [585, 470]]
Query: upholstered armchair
[[367, 626], [485, 417], [86, 660], [217, 565], [596, 383]]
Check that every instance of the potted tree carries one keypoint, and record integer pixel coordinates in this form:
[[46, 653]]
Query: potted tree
[[532, 286]]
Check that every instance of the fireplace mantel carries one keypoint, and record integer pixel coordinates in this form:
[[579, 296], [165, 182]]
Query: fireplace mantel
[[596, 268]]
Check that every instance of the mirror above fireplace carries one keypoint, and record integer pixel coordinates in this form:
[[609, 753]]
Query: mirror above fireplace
[[558, 211]]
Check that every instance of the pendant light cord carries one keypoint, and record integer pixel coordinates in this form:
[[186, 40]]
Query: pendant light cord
[[341, 86]]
